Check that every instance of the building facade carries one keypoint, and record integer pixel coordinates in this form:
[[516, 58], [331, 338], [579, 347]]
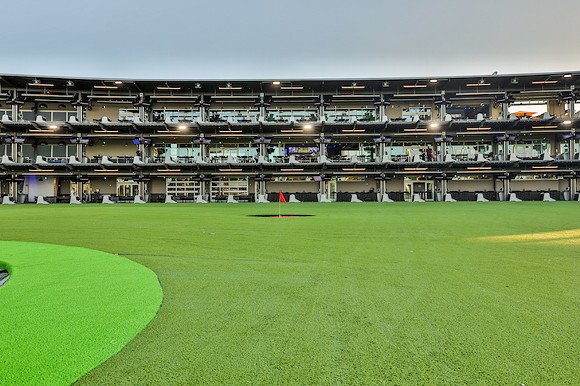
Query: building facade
[[463, 138]]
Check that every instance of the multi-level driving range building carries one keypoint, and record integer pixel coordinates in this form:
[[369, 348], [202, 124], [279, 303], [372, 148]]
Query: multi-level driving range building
[[494, 137]]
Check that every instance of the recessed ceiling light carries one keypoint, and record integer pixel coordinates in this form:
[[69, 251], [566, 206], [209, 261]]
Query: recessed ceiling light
[[414, 85], [276, 83], [291, 87], [105, 87], [567, 75], [567, 122], [544, 82], [53, 127], [433, 81], [118, 82], [182, 127], [307, 126]]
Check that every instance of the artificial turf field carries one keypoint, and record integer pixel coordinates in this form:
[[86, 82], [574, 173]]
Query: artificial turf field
[[371, 293]]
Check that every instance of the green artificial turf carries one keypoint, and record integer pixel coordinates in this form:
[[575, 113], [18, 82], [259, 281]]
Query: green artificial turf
[[371, 293], [65, 310]]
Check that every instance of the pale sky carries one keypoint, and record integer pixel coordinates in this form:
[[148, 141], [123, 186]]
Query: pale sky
[[294, 39]]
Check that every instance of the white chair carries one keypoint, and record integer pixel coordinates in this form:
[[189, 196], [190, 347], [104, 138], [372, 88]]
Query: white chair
[[40, 200], [293, 198], [7, 201], [138, 200], [169, 199], [386, 198], [512, 117], [137, 120], [480, 198], [199, 199], [107, 199], [262, 198], [74, 200], [168, 120], [232, 200], [513, 158], [354, 159], [105, 120], [448, 158], [547, 197], [292, 159], [199, 160], [480, 158], [417, 198], [514, 198], [387, 158], [449, 198], [417, 158], [546, 157], [72, 160], [479, 117], [137, 161], [40, 160], [6, 118], [262, 160], [73, 119], [168, 160], [354, 198], [40, 119], [448, 118], [106, 161], [6, 160]]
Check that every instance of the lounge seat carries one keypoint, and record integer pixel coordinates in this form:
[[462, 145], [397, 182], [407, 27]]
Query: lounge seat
[[354, 198], [514, 198], [449, 198], [40, 200], [199, 199], [480, 198], [293, 198], [7, 201], [417, 198], [107, 199], [546, 197]]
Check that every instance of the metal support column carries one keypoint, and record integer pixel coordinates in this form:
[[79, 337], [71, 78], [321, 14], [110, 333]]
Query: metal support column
[[15, 112], [505, 110], [81, 113]]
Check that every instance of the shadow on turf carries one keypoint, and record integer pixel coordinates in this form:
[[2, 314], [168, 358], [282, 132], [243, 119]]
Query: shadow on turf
[[281, 216]]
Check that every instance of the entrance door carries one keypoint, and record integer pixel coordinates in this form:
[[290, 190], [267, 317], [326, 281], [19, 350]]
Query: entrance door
[[425, 189]]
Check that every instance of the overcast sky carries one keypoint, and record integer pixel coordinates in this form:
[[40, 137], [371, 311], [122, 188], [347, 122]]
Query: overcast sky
[[271, 39]]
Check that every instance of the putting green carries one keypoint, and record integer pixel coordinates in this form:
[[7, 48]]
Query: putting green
[[65, 310]]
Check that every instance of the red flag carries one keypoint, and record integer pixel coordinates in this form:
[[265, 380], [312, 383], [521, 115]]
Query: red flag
[[281, 198]]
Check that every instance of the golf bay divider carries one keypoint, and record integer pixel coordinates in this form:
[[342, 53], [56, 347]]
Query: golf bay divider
[[65, 310]]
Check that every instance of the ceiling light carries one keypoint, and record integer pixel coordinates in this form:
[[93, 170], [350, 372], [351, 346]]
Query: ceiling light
[[416, 169], [37, 83], [432, 80], [414, 86], [545, 127], [415, 130], [118, 82], [478, 84], [353, 86], [105, 87], [231, 131], [276, 83], [434, 125], [292, 170], [229, 86], [182, 127], [354, 169], [567, 122], [544, 82], [291, 131], [567, 75], [53, 127], [166, 87], [478, 128], [353, 130], [307, 127], [291, 87], [230, 170]]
